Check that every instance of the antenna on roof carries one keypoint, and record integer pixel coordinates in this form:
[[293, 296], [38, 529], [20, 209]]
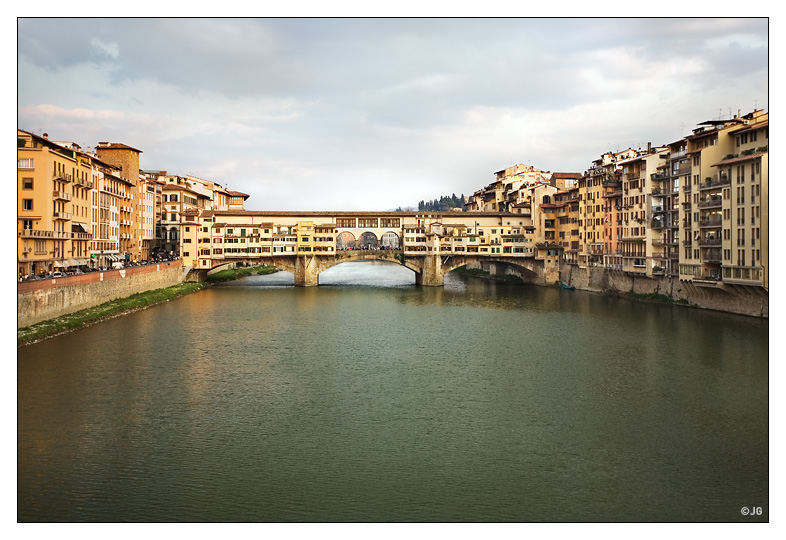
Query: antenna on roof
[[755, 104]]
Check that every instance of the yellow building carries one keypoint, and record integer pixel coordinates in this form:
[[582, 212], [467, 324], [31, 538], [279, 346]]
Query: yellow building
[[54, 211], [742, 180], [566, 211]]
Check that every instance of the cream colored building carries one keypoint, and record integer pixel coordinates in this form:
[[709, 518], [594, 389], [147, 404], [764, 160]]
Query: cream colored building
[[111, 195]]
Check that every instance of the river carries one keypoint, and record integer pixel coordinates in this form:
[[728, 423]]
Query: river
[[370, 399]]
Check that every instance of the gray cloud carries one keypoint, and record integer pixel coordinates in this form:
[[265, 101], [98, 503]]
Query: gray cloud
[[333, 105]]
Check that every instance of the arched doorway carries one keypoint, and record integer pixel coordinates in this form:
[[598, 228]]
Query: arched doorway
[[368, 240], [345, 240], [390, 240]]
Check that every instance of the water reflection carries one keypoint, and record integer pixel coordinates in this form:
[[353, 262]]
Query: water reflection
[[479, 401]]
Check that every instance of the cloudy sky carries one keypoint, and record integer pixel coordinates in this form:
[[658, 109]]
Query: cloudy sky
[[374, 114]]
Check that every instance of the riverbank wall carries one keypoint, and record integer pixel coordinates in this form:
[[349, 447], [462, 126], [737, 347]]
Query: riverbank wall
[[41, 300], [739, 299]]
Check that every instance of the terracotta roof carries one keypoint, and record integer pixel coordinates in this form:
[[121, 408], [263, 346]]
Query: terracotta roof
[[217, 225], [190, 212], [738, 159], [116, 146], [238, 194], [567, 175], [207, 213]]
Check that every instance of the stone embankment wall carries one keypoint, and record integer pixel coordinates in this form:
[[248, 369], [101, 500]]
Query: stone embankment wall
[[49, 298], [740, 299]]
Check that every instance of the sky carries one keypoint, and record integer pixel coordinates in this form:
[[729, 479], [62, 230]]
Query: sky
[[373, 114]]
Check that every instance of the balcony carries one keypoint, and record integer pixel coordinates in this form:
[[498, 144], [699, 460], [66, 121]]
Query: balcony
[[657, 242], [81, 236], [610, 182], [54, 235], [658, 224], [710, 241], [61, 215], [714, 221], [659, 177], [61, 195], [62, 177], [711, 256], [83, 182], [658, 210], [711, 202], [684, 169], [716, 182]]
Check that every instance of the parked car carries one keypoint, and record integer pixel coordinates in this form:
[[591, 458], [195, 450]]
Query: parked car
[[57, 274]]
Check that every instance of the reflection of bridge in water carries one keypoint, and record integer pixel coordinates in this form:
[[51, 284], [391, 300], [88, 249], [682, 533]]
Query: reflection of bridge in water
[[308, 243]]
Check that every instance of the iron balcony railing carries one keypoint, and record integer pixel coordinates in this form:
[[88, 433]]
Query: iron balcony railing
[[61, 195], [710, 241], [712, 255], [712, 202], [714, 221], [715, 182]]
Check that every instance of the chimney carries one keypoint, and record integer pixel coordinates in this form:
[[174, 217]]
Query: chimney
[[649, 147], [739, 113], [45, 136]]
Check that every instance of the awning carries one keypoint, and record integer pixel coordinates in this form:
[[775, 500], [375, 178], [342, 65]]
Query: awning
[[80, 262], [59, 264], [78, 227]]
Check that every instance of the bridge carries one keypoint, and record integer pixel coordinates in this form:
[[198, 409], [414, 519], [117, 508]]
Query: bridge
[[431, 244]]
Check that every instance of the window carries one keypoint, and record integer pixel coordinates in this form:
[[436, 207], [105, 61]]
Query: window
[[25, 163], [186, 254], [27, 224], [27, 183], [27, 204]]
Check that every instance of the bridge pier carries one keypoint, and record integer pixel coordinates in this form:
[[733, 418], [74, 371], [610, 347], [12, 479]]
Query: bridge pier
[[306, 271], [431, 274]]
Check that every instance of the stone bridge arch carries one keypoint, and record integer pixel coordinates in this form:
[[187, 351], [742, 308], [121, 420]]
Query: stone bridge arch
[[307, 268], [532, 266]]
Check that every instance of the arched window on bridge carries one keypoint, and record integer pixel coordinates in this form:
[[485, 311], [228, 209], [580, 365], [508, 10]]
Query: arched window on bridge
[[368, 240], [390, 240], [345, 240]]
